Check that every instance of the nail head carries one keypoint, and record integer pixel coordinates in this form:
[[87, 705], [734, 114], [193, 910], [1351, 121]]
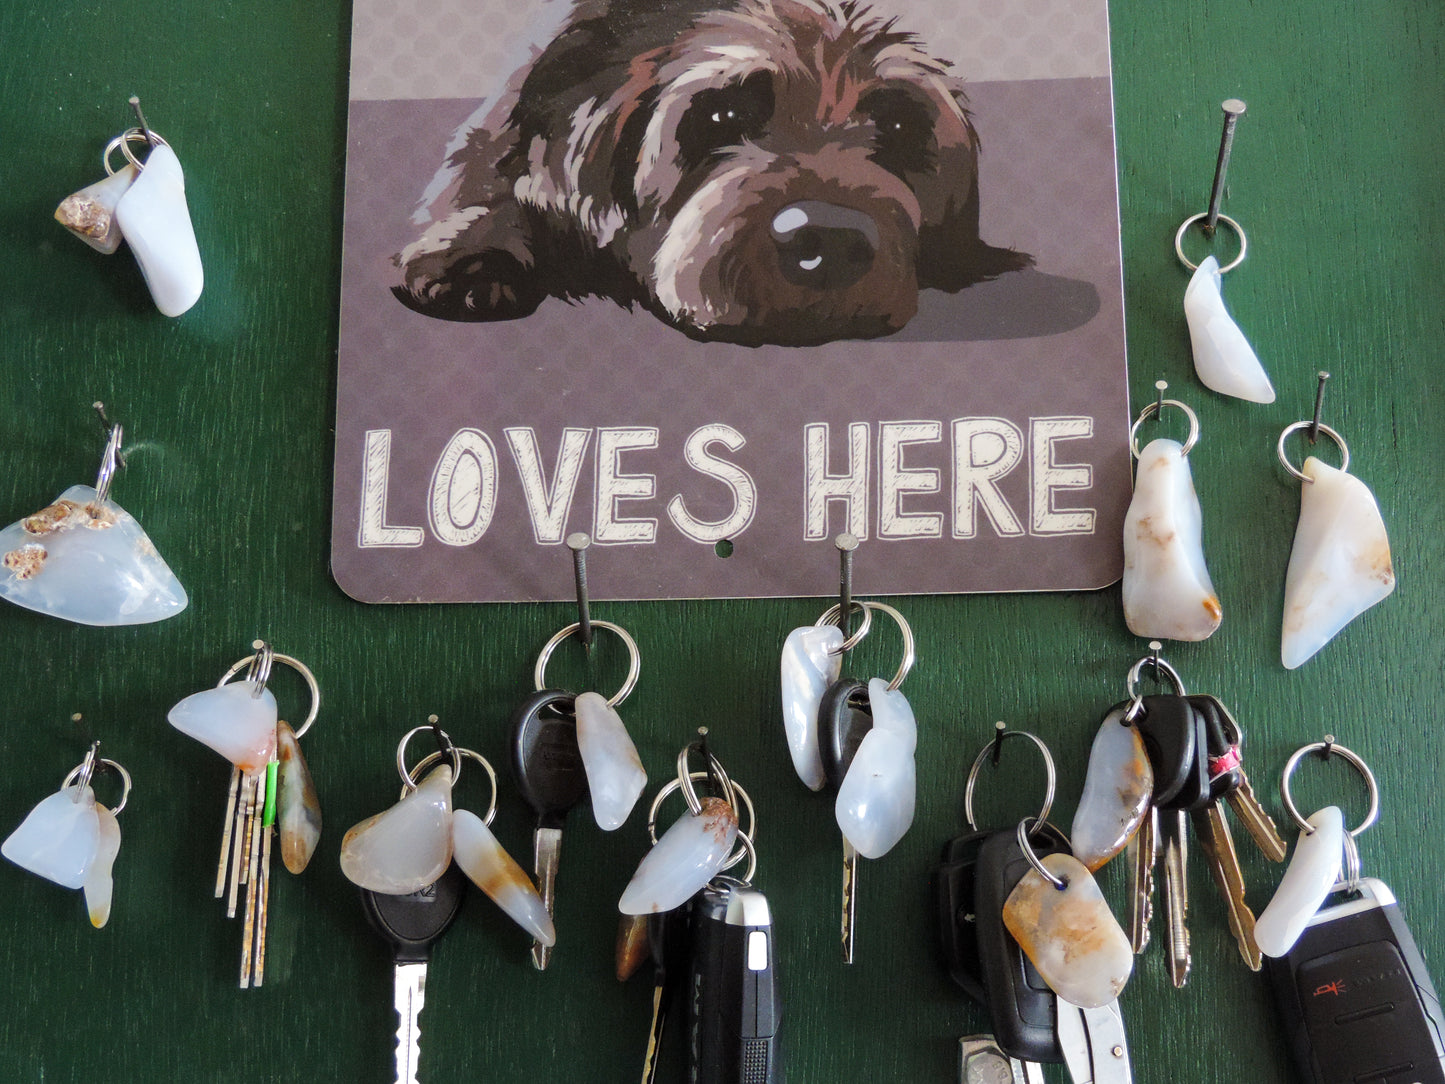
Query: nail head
[[1233, 107], [847, 542], [579, 541]]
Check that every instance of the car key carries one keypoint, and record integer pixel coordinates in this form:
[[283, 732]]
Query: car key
[[1021, 1005], [843, 721], [411, 924], [547, 765], [669, 936], [733, 996], [1356, 999]]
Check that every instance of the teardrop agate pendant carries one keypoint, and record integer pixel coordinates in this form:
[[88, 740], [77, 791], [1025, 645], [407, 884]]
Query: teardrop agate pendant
[[683, 861], [1118, 785], [1312, 871], [1223, 358], [483, 859], [812, 661], [90, 213], [615, 776], [875, 803]]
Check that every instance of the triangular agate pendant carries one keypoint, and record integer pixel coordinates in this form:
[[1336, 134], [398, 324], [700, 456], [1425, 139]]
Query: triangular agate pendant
[[233, 721], [59, 838], [86, 560], [1339, 565], [90, 213], [1223, 358], [407, 847], [1167, 591], [157, 225]]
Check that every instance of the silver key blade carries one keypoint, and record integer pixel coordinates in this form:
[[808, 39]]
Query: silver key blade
[[546, 858], [1218, 846], [850, 898], [980, 1061], [410, 985], [1172, 831], [1141, 853], [1258, 823]]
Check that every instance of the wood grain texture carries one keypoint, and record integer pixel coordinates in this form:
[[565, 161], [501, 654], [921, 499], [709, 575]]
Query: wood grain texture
[[228, 414]]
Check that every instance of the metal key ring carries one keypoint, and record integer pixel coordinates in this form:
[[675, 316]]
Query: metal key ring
[[436, 756], [743, 802], [1150, 409], [110, 461], [634, 660], [82, 773], [1327, 431], [1022, 832], [123, 141], [1330, 747], [1231, 223], [263, 667], [447, 749], [1162, 670], [972, 782], [715, 771], [833, 615], [910, 654], [1349, 878]]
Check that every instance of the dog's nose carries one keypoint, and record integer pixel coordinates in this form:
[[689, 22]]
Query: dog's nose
[[823, 245]]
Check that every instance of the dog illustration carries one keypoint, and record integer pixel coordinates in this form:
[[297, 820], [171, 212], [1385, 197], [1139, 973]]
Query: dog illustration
[[750, 171]]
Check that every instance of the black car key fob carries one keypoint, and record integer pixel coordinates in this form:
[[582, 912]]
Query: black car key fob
[[957, 932], [1021, 1006], [844, 719], [1355, 998], [733, 1004]]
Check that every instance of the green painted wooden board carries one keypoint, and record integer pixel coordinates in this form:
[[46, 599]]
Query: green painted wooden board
[[227, 414]]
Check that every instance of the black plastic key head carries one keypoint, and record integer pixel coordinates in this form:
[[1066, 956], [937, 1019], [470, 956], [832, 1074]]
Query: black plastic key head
[[957, 925], [546, 762], [1021, 1005], [412, 923], [1223, 737], [733, 1004], [844, 717], [1169, 727]]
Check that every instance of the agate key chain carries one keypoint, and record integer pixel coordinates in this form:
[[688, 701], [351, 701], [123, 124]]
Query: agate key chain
[[71, 838], [1339, 563], [1167, 592], [1223, 358], [1348, 979], [84, 558], [271, 788], [143, 203]]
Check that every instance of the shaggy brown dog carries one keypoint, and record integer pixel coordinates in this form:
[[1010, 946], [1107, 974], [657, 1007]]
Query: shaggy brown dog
[[752, 171]]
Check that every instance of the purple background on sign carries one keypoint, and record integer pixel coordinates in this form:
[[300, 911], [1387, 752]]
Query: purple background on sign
[[1040, 343]]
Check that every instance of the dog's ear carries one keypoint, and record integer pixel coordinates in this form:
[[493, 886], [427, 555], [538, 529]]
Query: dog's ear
[[951, 255]]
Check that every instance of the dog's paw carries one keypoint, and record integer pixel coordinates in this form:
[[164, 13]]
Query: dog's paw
[[471, 265]]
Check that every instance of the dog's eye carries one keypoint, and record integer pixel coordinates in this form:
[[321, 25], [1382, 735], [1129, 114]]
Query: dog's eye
[[725, 117], [903, 127]]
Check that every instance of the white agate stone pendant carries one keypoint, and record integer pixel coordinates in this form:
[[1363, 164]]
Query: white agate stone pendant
[[683, 861], [298, 809], [88, 561], [496, 873], [407, 847], [233, 721], [615, 776], [1339, 565], [153, 216], [1223, 358], [1167, 591], [876, 798], [1311, 874], [812, 661], [1069, 933], [90, 213], [98, 883], [59, 838], [1117, 787]]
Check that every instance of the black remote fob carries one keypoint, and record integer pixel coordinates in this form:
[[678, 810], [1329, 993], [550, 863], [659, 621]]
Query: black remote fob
[[1356, 1001], [733, 997]]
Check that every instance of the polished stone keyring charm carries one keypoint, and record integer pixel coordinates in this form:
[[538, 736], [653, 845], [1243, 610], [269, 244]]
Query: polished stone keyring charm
[[1162, 670], [1344, 466], [1201, 217], [1151, 409], [455, 754], [1330, 747], [1050, 776], [123, 142], [733, 794], [910, 655], [634, 660], [258, 670], [82, 773], [834, 614]]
